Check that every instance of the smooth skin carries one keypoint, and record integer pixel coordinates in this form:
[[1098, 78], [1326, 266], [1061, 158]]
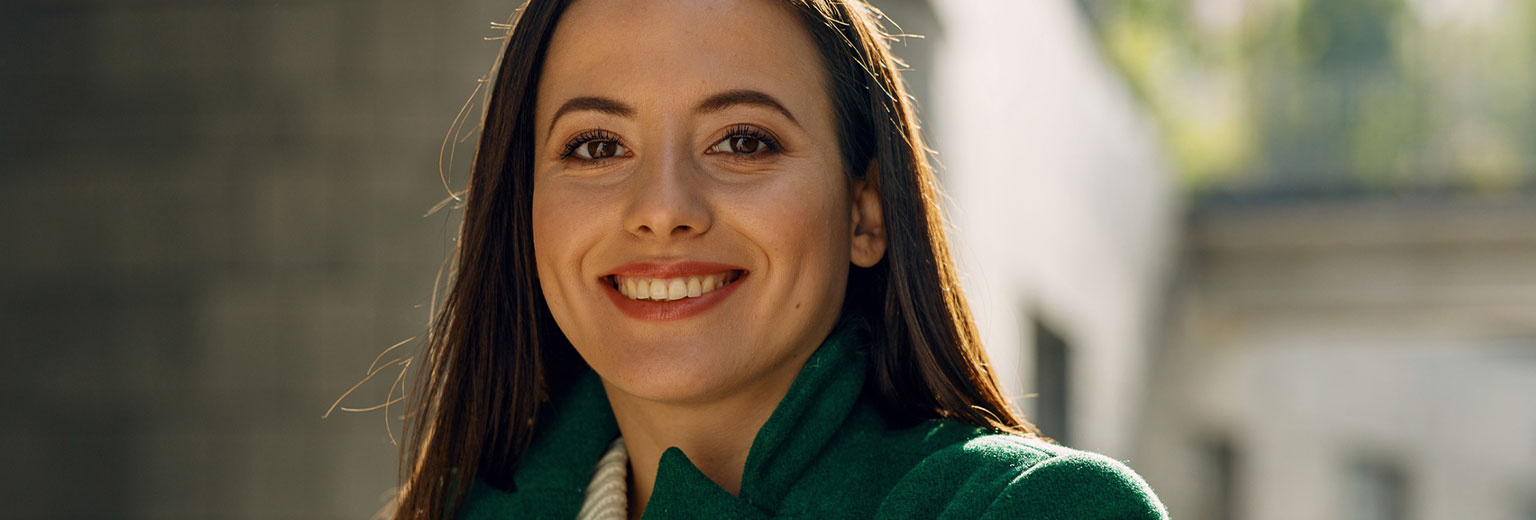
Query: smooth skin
[[673, 151]]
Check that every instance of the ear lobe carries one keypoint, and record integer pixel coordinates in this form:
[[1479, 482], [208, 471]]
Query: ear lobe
[[868, 219]]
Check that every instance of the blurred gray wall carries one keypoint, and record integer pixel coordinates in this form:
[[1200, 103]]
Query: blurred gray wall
[[1352, 358], [212, 224]]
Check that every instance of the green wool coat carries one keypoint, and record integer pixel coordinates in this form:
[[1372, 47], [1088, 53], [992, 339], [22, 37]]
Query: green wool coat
[[826, 453]]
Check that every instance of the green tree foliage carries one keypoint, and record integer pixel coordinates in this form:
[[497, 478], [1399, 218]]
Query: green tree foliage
[[1321, 96]]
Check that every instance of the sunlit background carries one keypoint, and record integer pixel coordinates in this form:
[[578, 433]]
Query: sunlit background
[[1277, 255]]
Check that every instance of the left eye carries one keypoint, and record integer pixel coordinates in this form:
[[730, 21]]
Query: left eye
[[597, 149], [740, 144]]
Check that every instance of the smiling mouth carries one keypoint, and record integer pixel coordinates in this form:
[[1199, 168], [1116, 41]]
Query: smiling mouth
[[671, 289]]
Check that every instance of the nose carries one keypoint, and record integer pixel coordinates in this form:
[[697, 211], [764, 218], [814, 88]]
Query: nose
[[668, 200]]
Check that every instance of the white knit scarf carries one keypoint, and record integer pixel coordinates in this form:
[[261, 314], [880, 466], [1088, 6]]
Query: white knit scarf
[[607, 496]]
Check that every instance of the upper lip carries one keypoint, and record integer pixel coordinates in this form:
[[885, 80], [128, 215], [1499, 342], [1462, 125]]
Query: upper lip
[[671, 269]]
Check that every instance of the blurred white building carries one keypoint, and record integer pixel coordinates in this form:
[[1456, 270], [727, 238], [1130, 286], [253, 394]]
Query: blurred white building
[[1264, 359], [1063, 212], [1351, 360]]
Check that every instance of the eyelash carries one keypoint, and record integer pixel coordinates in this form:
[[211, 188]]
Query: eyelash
[[569, 151], [770, 142]]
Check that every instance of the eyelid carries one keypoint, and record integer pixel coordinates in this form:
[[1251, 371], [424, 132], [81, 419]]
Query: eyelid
[[756, 132], [590, 134]]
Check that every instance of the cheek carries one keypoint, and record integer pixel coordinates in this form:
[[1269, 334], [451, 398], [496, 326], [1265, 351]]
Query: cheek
[[562, 231], [804, 225], [545, 247], [545, 226]]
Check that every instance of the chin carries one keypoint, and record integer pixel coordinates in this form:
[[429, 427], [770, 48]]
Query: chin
[[673, 373]]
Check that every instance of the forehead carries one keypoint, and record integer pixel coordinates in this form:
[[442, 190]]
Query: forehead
[[657, 53]]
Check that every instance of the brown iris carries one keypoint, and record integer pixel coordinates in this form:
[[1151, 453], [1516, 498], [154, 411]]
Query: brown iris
[[601, 149], [746, 145]]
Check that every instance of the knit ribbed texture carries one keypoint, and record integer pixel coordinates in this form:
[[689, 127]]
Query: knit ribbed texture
[[826, 452], [607, 496]]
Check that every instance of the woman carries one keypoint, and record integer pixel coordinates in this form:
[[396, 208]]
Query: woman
[[702, 274]]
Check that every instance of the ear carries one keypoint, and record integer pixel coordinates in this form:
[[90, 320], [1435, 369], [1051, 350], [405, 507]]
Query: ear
[[868, 220]]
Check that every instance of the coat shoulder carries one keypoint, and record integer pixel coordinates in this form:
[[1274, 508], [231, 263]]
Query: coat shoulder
[[1012, 476]]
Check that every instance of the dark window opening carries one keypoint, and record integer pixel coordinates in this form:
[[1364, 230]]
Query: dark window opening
[[1376, 490], [1221, 459], [1053, 369]]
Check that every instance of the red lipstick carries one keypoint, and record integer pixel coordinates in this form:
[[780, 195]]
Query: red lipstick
[[652, 310]]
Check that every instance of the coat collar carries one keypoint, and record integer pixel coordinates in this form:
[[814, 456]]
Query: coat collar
[[579, 425]]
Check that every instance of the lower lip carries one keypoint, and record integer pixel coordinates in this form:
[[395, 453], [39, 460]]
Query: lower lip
[[652, 310]]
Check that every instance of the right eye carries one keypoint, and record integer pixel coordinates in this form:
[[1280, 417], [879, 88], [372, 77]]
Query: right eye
[[593, 146], [594, 150]]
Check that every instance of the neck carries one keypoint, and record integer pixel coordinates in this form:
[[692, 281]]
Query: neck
[[716, 435]]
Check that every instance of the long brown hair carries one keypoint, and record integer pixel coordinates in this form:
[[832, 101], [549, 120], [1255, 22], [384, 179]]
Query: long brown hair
[[494, 351]]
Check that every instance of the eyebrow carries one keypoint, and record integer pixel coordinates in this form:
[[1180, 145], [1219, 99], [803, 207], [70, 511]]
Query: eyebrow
[[715, 103], [731, 98], [593, 103]]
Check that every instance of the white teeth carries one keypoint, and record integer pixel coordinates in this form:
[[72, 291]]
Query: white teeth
[[669, 289]]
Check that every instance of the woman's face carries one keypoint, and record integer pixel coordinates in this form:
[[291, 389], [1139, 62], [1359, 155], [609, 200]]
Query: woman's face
[[692, 222]]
